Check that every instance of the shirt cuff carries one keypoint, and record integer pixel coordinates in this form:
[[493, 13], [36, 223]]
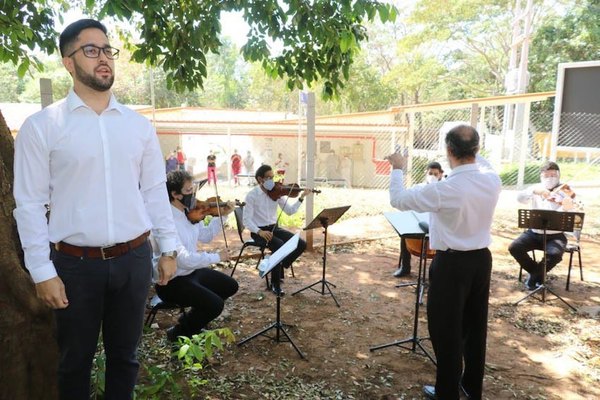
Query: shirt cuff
[[43, 273], [167, 244]]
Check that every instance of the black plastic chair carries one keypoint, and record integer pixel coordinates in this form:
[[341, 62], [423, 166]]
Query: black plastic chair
[[574, 248], [156, 304], [239, 221]]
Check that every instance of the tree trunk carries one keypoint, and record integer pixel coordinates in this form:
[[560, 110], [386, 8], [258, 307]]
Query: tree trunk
[[28, 350]]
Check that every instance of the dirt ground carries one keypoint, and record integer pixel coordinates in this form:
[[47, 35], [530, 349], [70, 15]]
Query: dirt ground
[[535, 350]]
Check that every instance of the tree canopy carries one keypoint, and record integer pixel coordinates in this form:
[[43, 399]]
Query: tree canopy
[[318, 39]]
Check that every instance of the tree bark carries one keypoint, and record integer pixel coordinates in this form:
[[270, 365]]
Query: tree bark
[[28, 350]]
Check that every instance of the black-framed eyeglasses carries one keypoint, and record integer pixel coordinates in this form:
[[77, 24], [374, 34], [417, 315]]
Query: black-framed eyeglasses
[[93, 51]]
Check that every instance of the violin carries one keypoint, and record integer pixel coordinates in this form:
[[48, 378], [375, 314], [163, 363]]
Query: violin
[[290, 190], [213, 206]]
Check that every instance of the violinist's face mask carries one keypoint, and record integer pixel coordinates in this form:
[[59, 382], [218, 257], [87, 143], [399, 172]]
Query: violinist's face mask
[[187, 200], [268, 184]]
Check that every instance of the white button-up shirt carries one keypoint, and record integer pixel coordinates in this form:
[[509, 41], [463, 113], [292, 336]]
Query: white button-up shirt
[[461, 206], [260, 210], [103, 177], [539, 203], [189, 258]]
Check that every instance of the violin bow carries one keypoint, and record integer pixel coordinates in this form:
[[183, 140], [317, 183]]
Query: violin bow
[[219, 213], [281, 211]]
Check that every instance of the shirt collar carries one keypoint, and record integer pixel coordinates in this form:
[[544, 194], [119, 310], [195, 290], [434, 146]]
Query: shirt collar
[[74, 102], [463, 168]]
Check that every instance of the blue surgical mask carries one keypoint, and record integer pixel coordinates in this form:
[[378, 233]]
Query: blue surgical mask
[[268, 184]]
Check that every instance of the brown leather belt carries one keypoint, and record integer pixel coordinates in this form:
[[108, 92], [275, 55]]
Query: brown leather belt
[[105, 253]]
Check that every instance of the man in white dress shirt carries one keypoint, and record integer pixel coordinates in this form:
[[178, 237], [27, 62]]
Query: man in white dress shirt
[[195, 285], [99, 167], [461, 209], [260, 217]]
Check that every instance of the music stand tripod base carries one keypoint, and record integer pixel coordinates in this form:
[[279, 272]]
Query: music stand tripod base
[[280, 332], [547, 220], [415, 340], [325, 218]]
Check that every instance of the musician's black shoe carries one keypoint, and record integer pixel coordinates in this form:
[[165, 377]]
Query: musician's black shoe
[[400, 272], [533, 281], [277, 290], [429, 392]]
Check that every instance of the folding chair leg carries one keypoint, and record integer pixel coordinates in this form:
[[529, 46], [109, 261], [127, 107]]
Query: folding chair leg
[[521, 274], [238, 260], [292, 268], [569, 271], [580, 266], [151, 316]]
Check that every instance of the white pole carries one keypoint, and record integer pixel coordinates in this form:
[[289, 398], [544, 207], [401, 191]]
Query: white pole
[[310, 162]]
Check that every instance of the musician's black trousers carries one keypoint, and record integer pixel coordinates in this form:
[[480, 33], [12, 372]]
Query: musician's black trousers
[[529, 240], [280, 236], [205, 290], [103, 295], [457, 309], [404, 256]]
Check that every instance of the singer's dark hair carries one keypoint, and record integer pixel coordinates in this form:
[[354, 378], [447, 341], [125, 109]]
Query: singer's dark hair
[[463, 142], [71, 33]]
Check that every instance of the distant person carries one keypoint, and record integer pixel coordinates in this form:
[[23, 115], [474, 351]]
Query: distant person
[[211, 167], [543, 196], [346, 170], [236, 167], [249, 166], [281, 165], [433, 173], [171, 163], [99, 166], [331, 165], [181, 159]]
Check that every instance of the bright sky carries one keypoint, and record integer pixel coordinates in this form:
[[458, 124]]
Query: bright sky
[[233, 25]]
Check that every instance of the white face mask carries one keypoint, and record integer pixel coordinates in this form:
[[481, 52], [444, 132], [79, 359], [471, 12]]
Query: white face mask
[[269, 184], [430, 179], [550, 182]]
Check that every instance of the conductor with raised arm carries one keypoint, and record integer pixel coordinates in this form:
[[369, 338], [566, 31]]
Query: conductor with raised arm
[[461, 210], [98, 166]]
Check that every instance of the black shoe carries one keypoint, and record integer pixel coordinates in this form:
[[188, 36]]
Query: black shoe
[[400, 272], [277, 290], [172, 334], [429, 392], [533, 281]]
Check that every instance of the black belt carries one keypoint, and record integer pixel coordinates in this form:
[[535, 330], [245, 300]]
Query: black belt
[[452, 251]]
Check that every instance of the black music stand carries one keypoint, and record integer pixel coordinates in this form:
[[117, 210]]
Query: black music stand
[[548, 220], [265, 267], [405, 225], [325, 218]]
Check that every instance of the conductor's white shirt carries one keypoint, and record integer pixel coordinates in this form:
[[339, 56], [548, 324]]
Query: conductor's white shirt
[[260, 210], [103, 177], [461, 206]]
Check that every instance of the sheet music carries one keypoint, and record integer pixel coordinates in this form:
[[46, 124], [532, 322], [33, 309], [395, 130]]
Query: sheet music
[[268, 263], [407, 222]]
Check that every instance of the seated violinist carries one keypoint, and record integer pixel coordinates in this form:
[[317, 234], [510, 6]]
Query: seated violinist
[[550, 194], [195, 284], [260, 217]]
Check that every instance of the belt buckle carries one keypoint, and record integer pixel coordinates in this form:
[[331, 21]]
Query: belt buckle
[[104, 256]]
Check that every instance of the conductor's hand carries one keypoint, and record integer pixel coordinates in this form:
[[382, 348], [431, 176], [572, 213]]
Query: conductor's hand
[[52, 292], [397, 160], [166, 269], [265, 235]]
